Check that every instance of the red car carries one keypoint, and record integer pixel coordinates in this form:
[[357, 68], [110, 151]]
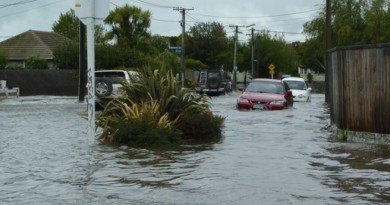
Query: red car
[[268, 94]]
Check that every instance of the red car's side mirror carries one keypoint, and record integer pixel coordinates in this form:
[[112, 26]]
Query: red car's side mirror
[[241, 89]]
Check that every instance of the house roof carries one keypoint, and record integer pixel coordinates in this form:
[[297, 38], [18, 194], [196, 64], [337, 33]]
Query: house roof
[[33, 43]]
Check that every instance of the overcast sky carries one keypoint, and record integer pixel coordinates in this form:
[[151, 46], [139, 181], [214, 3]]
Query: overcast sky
[[284, 16]]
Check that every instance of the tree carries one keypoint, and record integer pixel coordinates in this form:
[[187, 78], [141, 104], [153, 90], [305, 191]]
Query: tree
[[348, 22], [128, 25], [67, 56], [274, 50], [355, 22], [377, 22], [68, 25], [206, 42]]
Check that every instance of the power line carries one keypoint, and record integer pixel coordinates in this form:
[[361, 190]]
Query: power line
[[22, 11], [248, 17], [17, 3], [153, 4]]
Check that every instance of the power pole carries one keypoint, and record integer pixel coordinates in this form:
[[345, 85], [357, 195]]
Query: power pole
[[328, 45], [183, 32], [235, 59], [253, 53], [82, 64], [235, 54]]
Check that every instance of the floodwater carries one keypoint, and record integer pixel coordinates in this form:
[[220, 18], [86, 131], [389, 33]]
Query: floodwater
[[264, 157]]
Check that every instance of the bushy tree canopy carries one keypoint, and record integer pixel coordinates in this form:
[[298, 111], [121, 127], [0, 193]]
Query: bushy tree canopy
[[68, 25], [274, 50], [129, 25], [206, 42], [354, 22]]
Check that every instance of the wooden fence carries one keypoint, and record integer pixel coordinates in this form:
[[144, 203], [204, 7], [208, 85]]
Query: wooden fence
[[359, 88]]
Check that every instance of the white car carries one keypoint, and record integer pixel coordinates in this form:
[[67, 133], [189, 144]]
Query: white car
[[108, 84], [299, 87]]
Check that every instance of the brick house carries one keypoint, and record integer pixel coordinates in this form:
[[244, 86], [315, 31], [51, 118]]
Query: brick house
[[32, 43]]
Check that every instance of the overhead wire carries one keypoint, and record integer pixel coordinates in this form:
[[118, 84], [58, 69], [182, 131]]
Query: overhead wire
[[17, 3], [144, 2], [249, 17], [22, 11]]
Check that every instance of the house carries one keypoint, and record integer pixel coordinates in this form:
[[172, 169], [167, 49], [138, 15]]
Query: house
[[32, 43]]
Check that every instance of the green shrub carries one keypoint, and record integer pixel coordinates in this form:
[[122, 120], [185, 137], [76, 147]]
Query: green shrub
[[14, 67], [156, 112], [67, 56], [200, 125], [36, 62]]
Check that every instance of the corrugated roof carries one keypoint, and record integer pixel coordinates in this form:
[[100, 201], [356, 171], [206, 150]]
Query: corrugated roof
[[33, 43]]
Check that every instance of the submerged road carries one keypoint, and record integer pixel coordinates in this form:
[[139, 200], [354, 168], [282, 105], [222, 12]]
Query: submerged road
[[264, 157]]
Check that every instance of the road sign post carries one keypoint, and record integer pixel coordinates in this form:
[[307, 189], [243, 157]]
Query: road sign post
[[271, 68]]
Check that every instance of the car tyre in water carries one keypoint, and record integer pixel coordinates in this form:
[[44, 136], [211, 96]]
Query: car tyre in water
[[103, 87]]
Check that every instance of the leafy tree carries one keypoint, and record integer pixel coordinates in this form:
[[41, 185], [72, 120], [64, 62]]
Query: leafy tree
[[3, 59], [274, 50], [311, 55], [128, 25], [377, 22], [68, 25], [160, 43], [348, 22], [67, 56], [206, 42], [36, 62], [193, 64], [355, 22]]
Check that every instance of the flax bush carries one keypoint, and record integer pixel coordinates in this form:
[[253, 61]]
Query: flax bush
[[156, 111]]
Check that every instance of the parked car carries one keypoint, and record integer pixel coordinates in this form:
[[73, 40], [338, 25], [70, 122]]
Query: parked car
[[299, 87], [268, 94], [108, 84], [212, 82]]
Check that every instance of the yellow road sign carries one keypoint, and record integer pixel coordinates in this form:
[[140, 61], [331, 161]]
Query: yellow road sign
[[271, 72], [271, 67]]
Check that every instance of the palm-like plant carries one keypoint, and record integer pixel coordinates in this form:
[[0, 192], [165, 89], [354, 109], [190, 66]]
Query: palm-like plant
[[161, 85], [156, 110]]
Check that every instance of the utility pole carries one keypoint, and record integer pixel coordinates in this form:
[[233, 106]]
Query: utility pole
[[183, 32], [235, 54], [253, 53], [235, 59], [82, 65], [328, 45], [91, 13]]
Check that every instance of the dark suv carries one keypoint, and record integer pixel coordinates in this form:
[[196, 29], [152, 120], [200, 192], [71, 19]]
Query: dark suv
[[212, 82]]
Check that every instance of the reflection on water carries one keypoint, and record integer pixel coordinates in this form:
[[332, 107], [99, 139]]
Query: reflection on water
[[159, 169], [360, 170]]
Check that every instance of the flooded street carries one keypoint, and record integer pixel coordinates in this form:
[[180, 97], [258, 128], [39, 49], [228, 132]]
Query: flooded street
[[264, 157]]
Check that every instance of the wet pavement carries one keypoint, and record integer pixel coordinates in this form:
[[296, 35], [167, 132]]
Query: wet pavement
[[264, 157]]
